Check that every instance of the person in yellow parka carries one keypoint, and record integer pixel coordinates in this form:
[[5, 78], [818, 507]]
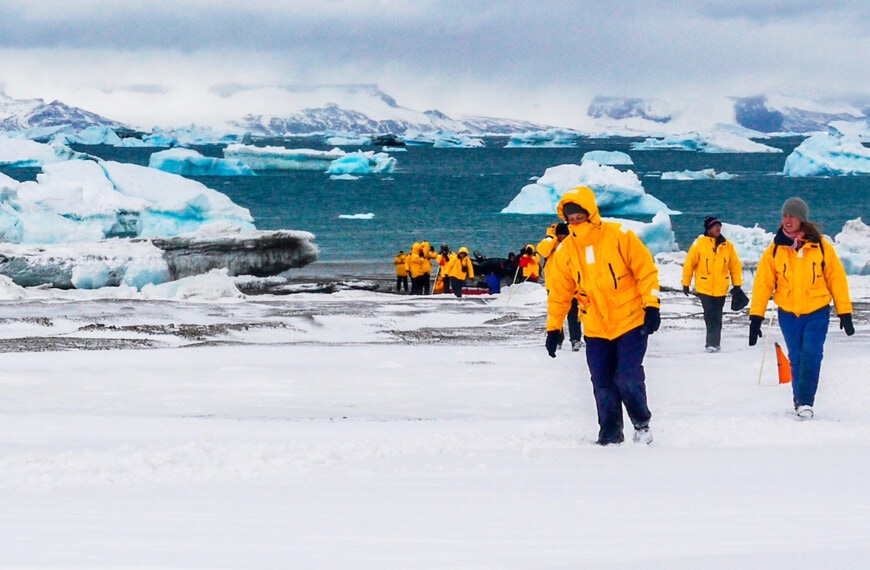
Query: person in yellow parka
[[715, 265], [613, 275], [401, 263], [530, 263], [547, 248], [428, 256], [802, 271], [458, 269], [417, 269]]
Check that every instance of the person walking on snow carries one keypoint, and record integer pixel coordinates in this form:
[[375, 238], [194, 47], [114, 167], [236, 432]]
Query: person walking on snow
[[714, 263], [613, 276], [802, 271], [401, 263], [547, 248], [459, 269]]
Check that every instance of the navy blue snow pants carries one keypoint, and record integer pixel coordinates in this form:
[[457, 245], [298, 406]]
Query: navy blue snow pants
[[805, 340], [618, 379]]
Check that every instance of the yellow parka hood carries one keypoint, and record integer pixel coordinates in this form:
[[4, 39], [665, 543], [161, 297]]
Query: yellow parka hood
[[584, 197]]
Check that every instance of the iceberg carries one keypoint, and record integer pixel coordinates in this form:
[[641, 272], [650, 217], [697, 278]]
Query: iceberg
[[82, 200], [618, 193], [550, 138], [188, 162], [93, 135], [705, 174], [609, 157], [280, 158], [27, 153], [360, 162], [368, 216], [828, 155], [441, 139], [718, 141], [657, 235], [853, 247]]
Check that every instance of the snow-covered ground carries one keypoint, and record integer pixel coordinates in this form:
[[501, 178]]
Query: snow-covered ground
[[369, 430]]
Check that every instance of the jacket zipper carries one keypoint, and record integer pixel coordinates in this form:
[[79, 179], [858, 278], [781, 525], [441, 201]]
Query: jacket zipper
[[613, 275]]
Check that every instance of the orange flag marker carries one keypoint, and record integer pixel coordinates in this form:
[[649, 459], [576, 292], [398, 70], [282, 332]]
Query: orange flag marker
[[783, 365]]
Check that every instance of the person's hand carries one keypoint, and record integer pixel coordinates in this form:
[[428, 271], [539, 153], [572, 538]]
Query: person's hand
[[754, 329], [846, 323], [554, 339], [652, 319], [686, 290]]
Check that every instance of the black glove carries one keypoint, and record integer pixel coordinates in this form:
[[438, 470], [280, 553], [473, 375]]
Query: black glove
[[754, 329], [686, 290], [739, 300], [846, 323], [651, 320], [554, 339]]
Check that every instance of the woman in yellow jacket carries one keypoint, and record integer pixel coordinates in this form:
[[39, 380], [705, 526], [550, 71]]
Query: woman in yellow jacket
[[616, 283], [713, 261], [458, 269], [804, 274]]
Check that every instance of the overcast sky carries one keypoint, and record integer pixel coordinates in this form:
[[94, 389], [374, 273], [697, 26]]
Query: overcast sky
[[534, 59]]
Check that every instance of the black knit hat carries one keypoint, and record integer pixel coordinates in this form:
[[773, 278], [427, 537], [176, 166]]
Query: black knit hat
[[562, 229], [711, 221]]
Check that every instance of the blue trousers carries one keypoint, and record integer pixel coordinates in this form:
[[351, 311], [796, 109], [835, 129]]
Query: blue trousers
[[805, 340], [618, 379]]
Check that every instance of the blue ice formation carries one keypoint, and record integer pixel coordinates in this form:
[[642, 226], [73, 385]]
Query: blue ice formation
[[360, 162], [717, 141], [550, 138], [441, 139], [22, 153], [609, 157], [83, 200], [704, 174], [658, 235], [188, 162], [280, 158], [853, 247], [618, 193], [828, 155]]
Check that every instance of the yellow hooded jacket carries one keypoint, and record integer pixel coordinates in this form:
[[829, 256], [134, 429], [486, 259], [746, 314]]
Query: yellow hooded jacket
[[417, 262], [611, 270], [401, 263], [460, 267], [713, 267], [530, 264], [801, 281]]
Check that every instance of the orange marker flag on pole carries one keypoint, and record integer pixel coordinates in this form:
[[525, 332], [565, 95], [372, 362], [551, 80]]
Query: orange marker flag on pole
[[783, 365]]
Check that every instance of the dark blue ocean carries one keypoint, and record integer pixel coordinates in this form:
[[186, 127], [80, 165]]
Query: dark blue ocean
[[454, 196]]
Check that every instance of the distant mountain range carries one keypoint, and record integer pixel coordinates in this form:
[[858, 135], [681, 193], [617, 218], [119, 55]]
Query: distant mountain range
[[366, 110]]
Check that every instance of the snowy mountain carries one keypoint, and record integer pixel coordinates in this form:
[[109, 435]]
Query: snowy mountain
[[363, 109], [28, 114]]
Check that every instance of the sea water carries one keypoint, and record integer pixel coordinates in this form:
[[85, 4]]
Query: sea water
[[455, 196]]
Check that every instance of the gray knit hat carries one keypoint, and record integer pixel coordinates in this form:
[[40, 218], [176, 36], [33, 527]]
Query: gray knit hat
[[797, 208]]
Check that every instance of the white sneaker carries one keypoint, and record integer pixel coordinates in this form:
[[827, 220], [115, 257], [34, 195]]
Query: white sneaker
[[803, 413], [713, 349], [642, 435], [576, 345]]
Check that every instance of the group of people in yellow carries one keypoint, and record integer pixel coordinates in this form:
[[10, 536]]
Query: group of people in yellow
[[454, 268], [610, 274]]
